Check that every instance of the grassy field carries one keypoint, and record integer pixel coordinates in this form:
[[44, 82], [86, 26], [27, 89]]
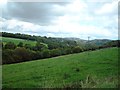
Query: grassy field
[[16, 41], [86, 70]]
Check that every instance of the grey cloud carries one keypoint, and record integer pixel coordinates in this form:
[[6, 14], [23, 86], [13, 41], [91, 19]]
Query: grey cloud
[[118, 8], [35, 12]]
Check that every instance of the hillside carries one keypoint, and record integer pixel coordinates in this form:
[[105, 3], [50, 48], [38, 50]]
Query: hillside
[[97, 42], [47, 40], [100, 42], [88, 69], [16, 41]]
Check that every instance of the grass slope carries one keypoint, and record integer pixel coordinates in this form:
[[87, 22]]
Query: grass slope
[[88, 69], [16, 41]]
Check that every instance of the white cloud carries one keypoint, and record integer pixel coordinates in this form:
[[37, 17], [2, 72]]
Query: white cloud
[[68, 29], [73, 8], [76, 20], [3, 3], [108, 8], [76, 7]]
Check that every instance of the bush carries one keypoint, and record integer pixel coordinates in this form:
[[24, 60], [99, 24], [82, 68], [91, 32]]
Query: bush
[[8, 56], [39, 55], [10, 45], [20, 44], [46, 53], [77, 49], [23, 53], [27, 46], [40, 47], [55, 52], [69, 51]]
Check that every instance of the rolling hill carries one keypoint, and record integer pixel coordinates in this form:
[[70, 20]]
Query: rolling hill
[[83, 70], [16, 41], [95, 42]]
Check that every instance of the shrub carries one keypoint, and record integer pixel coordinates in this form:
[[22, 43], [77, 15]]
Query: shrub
[[23, 53], [46, 53], [8, 56], [27, 46], [77, 49], [55, 52], [10, 45], [20, 44]]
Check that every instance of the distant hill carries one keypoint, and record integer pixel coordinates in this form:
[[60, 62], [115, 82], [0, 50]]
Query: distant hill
[[47, 40], [97, 42], [100, 42], [16, 41]]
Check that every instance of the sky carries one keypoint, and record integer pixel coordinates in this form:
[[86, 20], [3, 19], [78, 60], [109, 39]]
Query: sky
[[61, 18]]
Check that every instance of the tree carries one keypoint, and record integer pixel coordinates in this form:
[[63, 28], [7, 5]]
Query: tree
[[27, 46], [20, 44], [8, 56], [38, 55], [10, 45], [40, 46], [77, 49], [46, 53], [23, 53], [55, 52], [68, 50]]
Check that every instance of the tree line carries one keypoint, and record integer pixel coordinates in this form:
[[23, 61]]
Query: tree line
[[12, 53], [46, 47]]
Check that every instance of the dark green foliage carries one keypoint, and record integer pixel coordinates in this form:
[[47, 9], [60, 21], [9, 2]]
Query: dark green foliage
[[46, 47], [7, 56], [55, 52], [46, 53], [77, 49], [20, 54], [23, 53], [10, 45], [28, 46], [69, 50], [39, 55], [77, 69], [40, 46], [115, 43], [20, 44], [53, 45]]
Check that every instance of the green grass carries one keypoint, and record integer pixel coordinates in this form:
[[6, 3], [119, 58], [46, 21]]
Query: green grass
[[88, 69], [16, 41]]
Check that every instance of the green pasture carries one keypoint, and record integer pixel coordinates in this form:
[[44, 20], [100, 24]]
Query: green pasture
[[91, 69]]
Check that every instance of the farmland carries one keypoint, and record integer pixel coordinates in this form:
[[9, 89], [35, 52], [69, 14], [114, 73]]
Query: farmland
[[16, 41], [83, 70]]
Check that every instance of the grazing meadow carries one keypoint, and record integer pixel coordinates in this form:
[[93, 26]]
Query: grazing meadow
[[90, 69]]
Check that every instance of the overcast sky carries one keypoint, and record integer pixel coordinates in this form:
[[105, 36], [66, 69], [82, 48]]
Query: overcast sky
[[76, 18]]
